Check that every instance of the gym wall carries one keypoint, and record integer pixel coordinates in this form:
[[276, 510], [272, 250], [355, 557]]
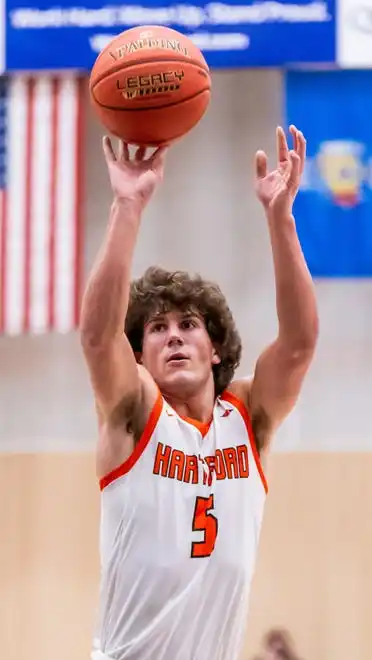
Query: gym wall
[[313, 575]]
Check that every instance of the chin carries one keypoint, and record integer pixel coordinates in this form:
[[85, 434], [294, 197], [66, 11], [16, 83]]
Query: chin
[[181, 383]]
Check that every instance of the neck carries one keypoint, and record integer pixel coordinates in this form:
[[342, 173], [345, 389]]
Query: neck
[[198, 406]]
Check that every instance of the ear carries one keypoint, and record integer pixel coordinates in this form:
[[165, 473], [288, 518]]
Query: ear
[[215, 357]]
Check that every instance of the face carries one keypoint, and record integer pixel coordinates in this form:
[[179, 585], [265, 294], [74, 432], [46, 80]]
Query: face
[[178, 353]]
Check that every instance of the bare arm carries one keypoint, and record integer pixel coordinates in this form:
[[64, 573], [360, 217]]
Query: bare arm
[[112, 366], [281, 368]]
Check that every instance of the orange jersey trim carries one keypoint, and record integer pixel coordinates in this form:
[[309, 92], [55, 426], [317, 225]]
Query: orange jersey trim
[[203, 427], [241, 408], [139, 447]]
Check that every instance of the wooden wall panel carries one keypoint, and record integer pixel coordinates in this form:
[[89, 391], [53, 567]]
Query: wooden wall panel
[[49, 555], [314, 572]]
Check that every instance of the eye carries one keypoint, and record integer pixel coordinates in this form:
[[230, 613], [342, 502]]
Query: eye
[[158, 327], [187, 324]]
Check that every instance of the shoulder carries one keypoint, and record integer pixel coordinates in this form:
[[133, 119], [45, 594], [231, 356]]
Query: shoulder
[[150, 400], [133, 411], [237, 395], [125, 434], [242, 390]]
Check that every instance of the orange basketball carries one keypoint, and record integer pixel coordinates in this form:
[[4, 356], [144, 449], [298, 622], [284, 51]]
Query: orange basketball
[[150, 85]]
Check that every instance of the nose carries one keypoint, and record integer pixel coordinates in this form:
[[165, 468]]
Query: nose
[[174, 337], [175, 340]]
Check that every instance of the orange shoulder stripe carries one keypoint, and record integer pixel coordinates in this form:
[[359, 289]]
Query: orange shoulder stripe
[[139, 448], [241, 408]]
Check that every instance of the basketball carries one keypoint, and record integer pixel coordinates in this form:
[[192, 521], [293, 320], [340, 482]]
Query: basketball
[[150, 85]]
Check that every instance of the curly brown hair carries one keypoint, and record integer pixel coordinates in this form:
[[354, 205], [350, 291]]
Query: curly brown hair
[[159, 291]]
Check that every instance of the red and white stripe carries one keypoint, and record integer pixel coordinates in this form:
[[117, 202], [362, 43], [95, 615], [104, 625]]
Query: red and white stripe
[[40, 211]]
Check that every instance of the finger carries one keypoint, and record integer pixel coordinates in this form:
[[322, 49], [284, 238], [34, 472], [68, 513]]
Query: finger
[[126, 152], [294, 132], [295, 171], [261, 164], [108, 149], [286, 169], [120, 150], [281, 146], [140, 154], [301, 150], [158, 157], [123, 150]]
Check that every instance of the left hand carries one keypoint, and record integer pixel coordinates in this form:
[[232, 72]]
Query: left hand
[[277, 190]]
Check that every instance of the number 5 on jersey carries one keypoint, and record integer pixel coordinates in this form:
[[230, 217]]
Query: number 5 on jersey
[[204, 521]]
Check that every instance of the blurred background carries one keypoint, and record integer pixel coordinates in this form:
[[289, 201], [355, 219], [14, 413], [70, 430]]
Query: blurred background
[[272, 63]]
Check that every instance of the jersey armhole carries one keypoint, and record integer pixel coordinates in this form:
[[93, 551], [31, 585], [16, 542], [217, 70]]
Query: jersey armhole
[[139, 447], [242, 409]]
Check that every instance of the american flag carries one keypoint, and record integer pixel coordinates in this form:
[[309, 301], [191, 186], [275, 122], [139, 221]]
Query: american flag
[[41, 142]]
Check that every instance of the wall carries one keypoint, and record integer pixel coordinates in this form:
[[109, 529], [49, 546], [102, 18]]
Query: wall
[[314, 571], [204, 218]]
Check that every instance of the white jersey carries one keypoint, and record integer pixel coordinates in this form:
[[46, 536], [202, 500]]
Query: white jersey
[[180, 524]]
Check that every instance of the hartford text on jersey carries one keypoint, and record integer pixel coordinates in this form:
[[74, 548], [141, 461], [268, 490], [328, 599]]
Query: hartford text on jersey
[[227, 463]]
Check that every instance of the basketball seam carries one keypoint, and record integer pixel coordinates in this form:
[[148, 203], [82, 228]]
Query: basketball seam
[[152, 107], [144, 60]]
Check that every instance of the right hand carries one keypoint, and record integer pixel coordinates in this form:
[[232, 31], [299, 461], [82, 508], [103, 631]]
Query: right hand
[[133, 179]]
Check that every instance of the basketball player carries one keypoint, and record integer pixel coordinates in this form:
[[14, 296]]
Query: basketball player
[[181, 443]]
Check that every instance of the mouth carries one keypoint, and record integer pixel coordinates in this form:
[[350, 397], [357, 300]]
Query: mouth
[[177, 358]]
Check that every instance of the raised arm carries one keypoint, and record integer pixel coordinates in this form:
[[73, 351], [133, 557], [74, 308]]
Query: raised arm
[[281, 368], [114, 373]]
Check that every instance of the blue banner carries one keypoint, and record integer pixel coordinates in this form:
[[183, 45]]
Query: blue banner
[[2, 36], [334, 206], [44, 34]]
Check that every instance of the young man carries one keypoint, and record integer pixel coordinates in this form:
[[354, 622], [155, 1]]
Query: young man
[[180, 442]]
